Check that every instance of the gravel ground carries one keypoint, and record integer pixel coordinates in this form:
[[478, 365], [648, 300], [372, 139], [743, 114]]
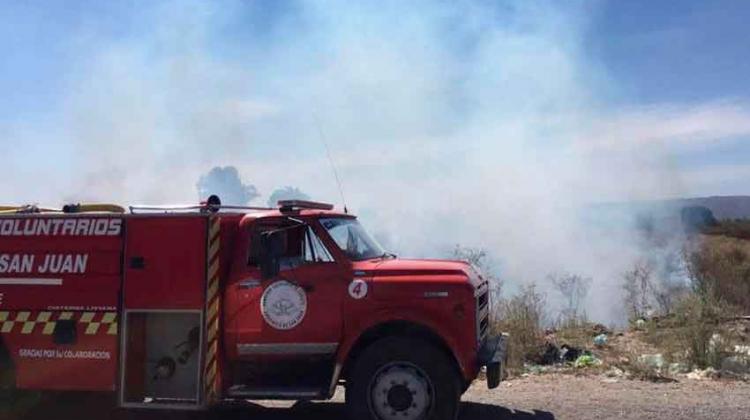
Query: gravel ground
[[544, 397], [565, 397]]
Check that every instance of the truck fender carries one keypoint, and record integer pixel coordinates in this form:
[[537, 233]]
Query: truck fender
[[378, 327]]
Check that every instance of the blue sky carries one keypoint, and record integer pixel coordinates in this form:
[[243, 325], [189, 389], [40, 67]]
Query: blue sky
[[674, 51], [654, 51], [624, 54]]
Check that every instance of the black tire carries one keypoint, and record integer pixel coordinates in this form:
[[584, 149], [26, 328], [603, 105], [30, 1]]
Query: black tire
[[424, 366]]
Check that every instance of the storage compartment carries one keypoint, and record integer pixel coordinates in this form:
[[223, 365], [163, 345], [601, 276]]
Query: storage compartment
[[165, 263], [162, 359]]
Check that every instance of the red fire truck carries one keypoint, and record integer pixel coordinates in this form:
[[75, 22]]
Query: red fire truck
[[190, 307]]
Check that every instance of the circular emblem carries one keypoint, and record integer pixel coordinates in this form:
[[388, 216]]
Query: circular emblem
[[283, 305], [358, 288]]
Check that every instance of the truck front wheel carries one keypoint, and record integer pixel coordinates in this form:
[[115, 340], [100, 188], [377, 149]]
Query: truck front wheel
[[404, 379]]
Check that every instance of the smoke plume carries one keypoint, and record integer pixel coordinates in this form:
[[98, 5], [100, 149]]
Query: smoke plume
[[485, 124], [286, 193], [226, 183]]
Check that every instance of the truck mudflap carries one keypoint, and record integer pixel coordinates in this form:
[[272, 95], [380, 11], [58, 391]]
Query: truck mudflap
[[493, 354]]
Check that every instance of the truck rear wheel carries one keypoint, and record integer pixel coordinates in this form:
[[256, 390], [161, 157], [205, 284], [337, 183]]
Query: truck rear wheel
[[404, 379]]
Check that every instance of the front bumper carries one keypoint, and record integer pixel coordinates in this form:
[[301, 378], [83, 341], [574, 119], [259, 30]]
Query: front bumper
[[493, 354]]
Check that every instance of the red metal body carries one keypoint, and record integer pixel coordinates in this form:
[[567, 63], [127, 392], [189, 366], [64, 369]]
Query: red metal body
[[94, 270]]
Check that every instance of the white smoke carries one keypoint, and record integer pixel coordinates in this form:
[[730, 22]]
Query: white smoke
[[286, 193], [477, 123], [226, 183]]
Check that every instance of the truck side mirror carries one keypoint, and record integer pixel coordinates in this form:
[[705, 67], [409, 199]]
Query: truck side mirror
[[271, 249]]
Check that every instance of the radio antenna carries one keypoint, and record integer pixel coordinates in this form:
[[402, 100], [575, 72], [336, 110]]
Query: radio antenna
[[330, 159]]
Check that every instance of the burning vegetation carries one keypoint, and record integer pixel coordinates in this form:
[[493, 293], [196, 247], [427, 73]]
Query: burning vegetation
[[688, 321]]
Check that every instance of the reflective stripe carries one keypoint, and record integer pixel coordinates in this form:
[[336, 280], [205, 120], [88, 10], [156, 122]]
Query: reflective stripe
[[212, 290], [92, 328], [211, 334], [30, 282], [28, 327], [211, 375], [214, 249], [213, 310], [287, 348], [49, 328], [211, 368], [214, 229], [212, 350], [27, 322]]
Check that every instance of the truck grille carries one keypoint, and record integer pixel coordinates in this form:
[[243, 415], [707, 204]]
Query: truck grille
[[483, 311]]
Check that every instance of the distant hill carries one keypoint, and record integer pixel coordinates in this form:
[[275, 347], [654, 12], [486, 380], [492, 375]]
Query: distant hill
[[727, 207], [663, 215]]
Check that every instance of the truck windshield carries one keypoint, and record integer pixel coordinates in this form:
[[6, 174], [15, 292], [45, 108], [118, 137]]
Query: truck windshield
[[352, 238]]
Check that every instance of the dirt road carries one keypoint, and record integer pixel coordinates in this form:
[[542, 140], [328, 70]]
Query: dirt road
[[566, 397], [547, 397]]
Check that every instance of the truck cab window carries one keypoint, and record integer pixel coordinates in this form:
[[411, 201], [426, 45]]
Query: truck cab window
[[352, 238], [301, 246], [315, 250]]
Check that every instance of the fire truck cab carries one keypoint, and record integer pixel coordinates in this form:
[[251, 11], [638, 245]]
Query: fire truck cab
[[187, 308]]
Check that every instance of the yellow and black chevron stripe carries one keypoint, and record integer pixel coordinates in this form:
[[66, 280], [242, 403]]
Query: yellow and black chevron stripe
[[43, 322], [213, 302]]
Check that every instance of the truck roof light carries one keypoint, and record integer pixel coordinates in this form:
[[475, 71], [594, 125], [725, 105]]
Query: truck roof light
[[213, 204], [289, 205]]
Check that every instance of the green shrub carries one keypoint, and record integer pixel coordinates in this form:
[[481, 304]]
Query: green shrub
[[698, 330]]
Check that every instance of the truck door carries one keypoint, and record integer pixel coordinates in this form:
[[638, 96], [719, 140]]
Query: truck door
[[297, 314]]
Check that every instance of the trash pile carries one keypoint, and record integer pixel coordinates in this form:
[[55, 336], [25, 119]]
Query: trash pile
[[550, 354], [600, 340], [625, 355]]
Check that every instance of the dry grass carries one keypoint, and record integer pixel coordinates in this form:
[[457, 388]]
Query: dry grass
[[739, 229], [695, 334], [522, 317], [719, 268]]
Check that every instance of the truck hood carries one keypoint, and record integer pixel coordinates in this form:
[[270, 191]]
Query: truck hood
[[416, 268]]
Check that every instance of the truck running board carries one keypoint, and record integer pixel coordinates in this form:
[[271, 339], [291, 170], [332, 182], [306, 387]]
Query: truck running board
[[280, 393]]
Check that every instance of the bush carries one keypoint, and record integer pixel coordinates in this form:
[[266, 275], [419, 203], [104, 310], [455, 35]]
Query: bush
[[522, 317], [719, 269], [576, 331], [481, 261], [573, 289], [640, 368], [695, 333], [638, 288], [698, 320]]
